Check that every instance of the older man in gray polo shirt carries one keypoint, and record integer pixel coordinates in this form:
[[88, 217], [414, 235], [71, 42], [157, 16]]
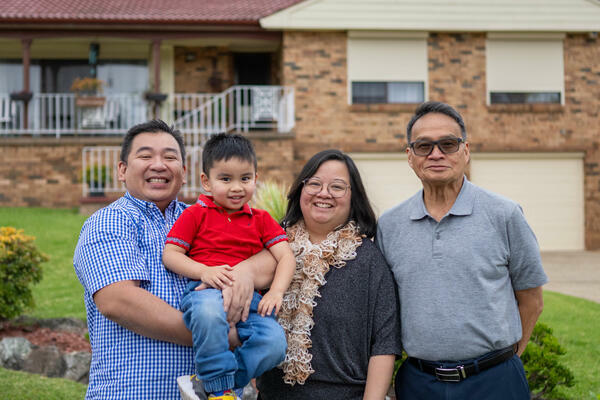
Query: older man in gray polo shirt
[[468, 270]]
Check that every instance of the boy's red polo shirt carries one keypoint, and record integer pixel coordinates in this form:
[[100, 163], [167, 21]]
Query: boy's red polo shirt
[[213, 237]]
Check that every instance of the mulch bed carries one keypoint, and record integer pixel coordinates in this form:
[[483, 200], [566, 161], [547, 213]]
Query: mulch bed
[[65, 341]]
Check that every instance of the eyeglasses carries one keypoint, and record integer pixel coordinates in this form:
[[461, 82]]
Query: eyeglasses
[[336, 189], [425, 147]]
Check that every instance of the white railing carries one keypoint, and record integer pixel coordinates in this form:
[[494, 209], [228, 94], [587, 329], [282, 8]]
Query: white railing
[[240, 108], [57, 114], [100, 173]]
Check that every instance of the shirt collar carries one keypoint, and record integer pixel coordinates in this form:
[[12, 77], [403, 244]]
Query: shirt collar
[[463, 205], [208, 201], [148, 205]]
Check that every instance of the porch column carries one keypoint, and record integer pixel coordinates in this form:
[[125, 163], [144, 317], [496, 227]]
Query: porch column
[[156, 67], [26, 55]]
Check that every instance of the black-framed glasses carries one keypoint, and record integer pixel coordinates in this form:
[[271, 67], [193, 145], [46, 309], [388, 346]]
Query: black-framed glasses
[[336, 189], [425, 147]]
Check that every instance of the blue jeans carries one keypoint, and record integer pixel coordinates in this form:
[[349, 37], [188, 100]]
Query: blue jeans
[[263, 340], [505, 381]]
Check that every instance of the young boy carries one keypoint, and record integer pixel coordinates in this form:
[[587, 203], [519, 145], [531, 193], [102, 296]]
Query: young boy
[[205, 244]]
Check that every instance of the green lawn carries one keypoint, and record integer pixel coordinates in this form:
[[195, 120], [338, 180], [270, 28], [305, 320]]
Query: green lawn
[[576, 322], [59, 294], [24, 386]]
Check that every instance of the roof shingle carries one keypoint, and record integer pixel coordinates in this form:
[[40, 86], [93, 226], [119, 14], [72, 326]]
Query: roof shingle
[[141, 11]]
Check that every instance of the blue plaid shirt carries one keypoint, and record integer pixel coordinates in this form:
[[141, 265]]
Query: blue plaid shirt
[[124, 241]]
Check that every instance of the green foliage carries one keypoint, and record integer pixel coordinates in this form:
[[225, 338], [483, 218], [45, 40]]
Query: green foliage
[[20, 266], [544, 371], [97, 175], [272, 197]]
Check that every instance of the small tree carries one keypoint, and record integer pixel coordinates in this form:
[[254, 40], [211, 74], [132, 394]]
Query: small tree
[[271, 196], [20, 266], [544, 371]]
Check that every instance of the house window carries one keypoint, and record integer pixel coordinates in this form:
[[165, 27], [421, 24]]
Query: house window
[[387, 67], [387, 92], [524, 70]]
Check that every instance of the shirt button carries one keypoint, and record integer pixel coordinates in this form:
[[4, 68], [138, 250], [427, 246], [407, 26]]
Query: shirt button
[[437, 236]]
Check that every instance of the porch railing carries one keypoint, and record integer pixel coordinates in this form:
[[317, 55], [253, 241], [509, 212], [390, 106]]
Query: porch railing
[[240, 108]]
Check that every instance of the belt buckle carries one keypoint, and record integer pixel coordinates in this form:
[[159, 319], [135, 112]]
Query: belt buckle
[[455, 374]]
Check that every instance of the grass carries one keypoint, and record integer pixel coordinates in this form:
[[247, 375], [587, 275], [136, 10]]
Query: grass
[[576, 322], [59, 294], [24, 386]]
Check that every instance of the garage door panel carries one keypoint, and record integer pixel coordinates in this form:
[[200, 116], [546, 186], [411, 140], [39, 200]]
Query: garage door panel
[[549, 188], [387, 178]]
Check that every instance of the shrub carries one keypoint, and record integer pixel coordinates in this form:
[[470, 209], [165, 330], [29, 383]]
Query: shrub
[[272, 197], [20, 266], [542, 366], [97, 175]]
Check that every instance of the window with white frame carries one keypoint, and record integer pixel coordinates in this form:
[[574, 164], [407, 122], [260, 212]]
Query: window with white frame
[[387, 68], [525, 70]]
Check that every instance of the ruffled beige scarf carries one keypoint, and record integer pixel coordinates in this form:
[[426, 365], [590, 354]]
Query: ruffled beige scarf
[[296, 315]]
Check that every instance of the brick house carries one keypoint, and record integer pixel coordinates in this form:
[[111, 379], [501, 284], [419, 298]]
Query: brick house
[[524, 74]]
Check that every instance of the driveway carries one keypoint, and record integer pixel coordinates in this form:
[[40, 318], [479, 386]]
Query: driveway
[[576, 273]]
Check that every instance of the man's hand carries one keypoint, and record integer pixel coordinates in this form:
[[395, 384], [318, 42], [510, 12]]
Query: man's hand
[[218, 277], [271, 300], [237, 298]]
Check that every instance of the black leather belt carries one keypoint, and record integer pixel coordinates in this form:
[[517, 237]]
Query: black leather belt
[[463, 371]]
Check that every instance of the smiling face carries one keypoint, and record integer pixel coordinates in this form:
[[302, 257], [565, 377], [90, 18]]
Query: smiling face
[[322, 213], [438, 168], [231, 183], [154, 170]]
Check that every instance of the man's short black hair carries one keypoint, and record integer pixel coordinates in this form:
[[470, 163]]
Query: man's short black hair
[[435, 107], [154, 126], [225, 146]]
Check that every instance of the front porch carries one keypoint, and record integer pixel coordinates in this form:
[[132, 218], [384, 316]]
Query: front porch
[[241, 108]]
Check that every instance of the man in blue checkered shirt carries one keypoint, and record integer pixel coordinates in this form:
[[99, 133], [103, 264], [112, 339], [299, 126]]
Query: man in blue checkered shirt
[[140, 344]]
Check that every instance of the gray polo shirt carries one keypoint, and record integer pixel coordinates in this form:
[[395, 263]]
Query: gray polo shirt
[[456, 278]]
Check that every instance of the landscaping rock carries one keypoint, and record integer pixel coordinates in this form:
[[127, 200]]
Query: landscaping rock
[[45, 360], [13, 352], [78, 366]]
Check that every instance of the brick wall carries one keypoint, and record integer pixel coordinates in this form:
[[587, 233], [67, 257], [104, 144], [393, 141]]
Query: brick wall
[[42, 172], [315, 63], [203, 69]]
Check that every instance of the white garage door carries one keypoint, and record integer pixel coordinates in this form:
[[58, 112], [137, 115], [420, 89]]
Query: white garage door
[[549, 187], [387, 178]]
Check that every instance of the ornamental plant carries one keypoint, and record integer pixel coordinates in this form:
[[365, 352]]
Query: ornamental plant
[[87, 85], [545, 373], [20, 266], [271, 197], [97, 175]]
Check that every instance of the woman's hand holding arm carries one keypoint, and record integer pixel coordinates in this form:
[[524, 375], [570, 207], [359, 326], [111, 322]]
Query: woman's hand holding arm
[[379, 376]]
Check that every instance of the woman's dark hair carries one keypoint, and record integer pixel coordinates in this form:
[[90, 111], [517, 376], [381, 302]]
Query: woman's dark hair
[[360, 208]]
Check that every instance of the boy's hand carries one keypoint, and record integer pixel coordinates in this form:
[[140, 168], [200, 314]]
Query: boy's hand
[[271, 300], [218, 277]]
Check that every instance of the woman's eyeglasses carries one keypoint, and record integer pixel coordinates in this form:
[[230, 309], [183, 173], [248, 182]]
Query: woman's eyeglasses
[[424, 148], [313, 186]]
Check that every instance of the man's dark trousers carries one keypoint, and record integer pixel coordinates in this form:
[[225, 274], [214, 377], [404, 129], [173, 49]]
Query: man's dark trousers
[[505, 381]]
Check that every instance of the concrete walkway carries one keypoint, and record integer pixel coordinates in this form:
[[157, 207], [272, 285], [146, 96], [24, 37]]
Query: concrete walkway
[[576, 273]]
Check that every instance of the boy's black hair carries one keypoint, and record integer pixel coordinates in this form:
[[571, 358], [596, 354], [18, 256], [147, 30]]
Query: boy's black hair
[[225, 146], [154, 126], [360, 207]]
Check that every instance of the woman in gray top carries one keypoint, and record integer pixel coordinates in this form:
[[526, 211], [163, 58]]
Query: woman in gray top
[[340, 312]]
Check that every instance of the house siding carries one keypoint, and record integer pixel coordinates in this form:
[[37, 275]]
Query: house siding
[[315, 63]]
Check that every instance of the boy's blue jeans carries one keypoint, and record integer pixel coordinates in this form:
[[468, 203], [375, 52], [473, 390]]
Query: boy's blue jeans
[[263, 340]]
